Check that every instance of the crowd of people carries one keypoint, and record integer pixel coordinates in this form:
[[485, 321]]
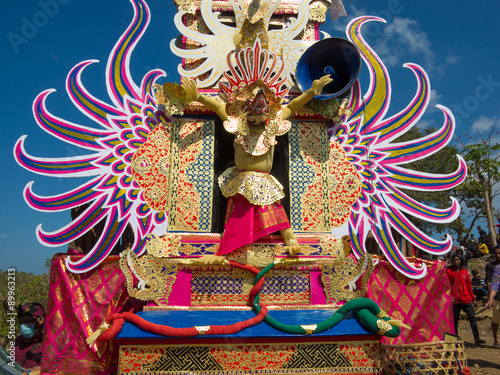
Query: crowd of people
[[467, 290]]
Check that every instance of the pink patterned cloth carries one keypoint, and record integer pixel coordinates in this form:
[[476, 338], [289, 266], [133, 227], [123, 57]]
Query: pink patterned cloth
[[245, 223], [425, 304], [77, 305]]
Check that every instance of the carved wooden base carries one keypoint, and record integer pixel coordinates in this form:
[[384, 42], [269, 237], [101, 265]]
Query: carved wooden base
[[232, 357]]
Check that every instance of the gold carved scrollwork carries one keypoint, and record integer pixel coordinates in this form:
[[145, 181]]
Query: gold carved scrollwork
[[305, 250], [155, 276], [339, 277]]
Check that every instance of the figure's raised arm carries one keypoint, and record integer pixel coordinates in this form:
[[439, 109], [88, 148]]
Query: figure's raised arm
[[189, 87], [306, 96]]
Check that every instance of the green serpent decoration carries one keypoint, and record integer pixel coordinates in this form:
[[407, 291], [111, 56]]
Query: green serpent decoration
[[369, 314]]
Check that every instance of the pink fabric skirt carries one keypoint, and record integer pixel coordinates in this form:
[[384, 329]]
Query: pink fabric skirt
[[245, 223]]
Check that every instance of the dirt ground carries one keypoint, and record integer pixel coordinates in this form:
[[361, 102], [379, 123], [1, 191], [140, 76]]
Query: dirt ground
[[482, 359]]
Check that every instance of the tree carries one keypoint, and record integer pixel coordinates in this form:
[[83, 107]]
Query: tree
[[478, 190]]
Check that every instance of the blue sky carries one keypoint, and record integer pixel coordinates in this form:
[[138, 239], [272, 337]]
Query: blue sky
[[457, 46]]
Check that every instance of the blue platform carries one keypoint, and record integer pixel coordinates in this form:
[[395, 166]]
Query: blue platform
[[349, 326]]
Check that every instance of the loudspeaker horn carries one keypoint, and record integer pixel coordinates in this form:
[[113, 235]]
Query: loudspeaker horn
[[335, 56]]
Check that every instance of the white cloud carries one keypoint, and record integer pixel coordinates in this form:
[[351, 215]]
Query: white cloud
[[452, 59], [400, 40], [484, 128], [484, 124], [356, 12], [403, 38]]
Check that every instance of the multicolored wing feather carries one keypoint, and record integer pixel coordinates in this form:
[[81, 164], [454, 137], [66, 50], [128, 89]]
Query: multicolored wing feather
[[367, 136], [111, 196]]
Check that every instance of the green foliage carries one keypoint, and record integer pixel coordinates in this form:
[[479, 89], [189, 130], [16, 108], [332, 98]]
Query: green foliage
[[483, 163], [483, 169], [28, 288]]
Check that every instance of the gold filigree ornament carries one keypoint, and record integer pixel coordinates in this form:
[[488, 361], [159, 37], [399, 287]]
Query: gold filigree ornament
[[383, 314], [254, 26], [258, 188], [255, 142], [239, 273], [310, 328], [155, 277], [339, 278], [383, 327], [254, 255], [188, 6], [142, 164], [351, 182], [332, 246], [329, 108], [252, 359], [164, 246], [158, 93], [318, 10], [173, 97]]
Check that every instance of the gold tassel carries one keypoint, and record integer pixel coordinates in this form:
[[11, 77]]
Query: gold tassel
[[94, 336]]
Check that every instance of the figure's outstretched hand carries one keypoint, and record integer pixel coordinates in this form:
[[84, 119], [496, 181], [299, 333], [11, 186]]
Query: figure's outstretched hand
[[212, 259], [293, 249], [291, 243], [318, 84], [190, 88]]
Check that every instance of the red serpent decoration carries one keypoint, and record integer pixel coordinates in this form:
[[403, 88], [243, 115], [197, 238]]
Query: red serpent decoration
[[118, 320]]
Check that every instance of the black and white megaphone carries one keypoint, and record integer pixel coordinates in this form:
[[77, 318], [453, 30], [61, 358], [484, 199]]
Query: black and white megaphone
[[335, 56]]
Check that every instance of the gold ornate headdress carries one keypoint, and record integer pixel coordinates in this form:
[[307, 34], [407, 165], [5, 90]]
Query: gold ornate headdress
[[253, 69]]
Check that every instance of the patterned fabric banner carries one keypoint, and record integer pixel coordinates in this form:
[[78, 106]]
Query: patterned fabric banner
[[77, 305], [424, 305]]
